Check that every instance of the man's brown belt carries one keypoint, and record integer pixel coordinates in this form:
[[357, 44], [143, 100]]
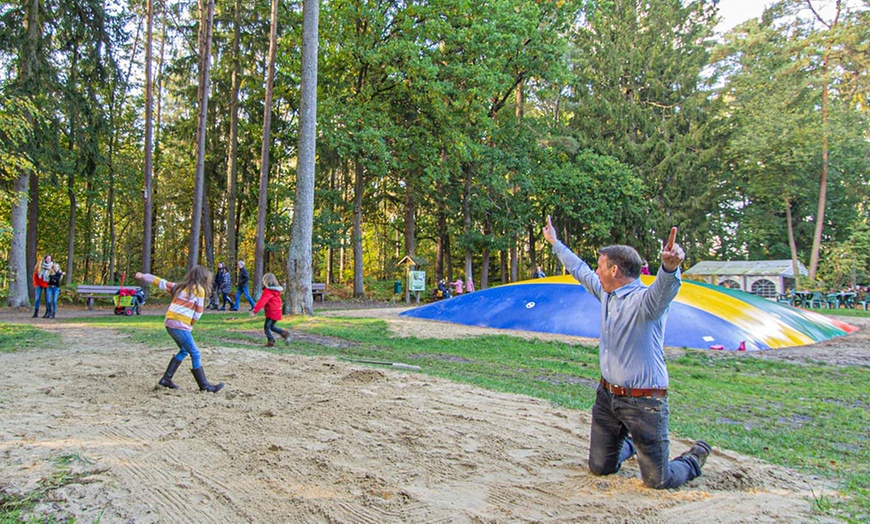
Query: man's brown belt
[[620, 391]]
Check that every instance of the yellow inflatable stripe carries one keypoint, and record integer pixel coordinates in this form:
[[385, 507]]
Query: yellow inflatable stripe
[[760, 323]]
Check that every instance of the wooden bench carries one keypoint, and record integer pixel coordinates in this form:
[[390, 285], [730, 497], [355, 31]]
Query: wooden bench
[[90, 292], [318, 290]]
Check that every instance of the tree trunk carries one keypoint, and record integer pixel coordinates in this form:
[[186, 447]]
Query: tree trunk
[[205, 33], [466, 218], [156, 147], [208, 230], [71, 226], [823, 177], [514, 262], [233, 140], [358, 184], [110, 212], [410, 219], [533, 258], [484, 263], [300, 259], [19, 281], [832, 28], [791, 243], [441, 252], [32, 213], [149, 146], [27, 183], [263, 203]]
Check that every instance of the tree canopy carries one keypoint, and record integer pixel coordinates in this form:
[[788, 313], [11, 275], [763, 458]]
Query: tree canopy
[[445, 129]]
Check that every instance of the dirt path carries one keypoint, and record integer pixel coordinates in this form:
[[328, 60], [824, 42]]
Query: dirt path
[[313, 439]]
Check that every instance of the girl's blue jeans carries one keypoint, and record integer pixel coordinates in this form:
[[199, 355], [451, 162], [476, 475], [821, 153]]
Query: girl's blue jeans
[[186, 345], [38, 290], [621, 425], [51, 294]]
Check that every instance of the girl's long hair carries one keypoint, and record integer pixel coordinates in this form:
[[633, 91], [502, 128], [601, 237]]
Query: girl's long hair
[[198, 278]]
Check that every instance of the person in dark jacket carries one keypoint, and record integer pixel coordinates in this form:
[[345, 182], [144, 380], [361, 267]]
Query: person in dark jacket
[[224, 289], [215, 289], [242, 287], [53, 290]]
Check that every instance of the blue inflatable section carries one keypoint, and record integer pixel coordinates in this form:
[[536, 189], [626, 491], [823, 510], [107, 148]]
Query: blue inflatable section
[[569, 310]]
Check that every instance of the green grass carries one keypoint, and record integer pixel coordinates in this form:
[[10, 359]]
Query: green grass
[[810, 417], [15, 337]]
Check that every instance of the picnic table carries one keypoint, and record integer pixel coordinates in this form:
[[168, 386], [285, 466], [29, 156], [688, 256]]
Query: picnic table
[[807, 299], [817, 299], [842, 299]]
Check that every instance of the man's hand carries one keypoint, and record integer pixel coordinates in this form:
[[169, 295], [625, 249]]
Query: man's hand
[[550, 231], [672, 254], [138, 276]]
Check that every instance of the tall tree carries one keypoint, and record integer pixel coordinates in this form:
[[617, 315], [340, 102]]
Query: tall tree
[[827, 44], [637, 96], [16, 130], [263, 202], [205, 37], [28, 71], [149, 146], [776, 137], [233, 138], [299, 259]]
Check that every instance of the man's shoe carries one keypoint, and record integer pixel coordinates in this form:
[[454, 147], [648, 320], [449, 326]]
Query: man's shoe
[[269, 344], [632, 451], [700, 450], [234, 309], [222, 309]]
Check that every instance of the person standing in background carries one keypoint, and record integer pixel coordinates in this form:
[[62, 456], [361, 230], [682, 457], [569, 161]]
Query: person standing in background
[[215, 295], [457, 287], [242, 287], [40, 282], [224, 287], [53, 290]]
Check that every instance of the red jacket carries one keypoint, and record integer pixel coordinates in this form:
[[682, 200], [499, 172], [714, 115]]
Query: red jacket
[[37, 280], [270, 301]]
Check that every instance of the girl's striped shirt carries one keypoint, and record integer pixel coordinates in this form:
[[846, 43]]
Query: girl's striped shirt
[[186, 307]]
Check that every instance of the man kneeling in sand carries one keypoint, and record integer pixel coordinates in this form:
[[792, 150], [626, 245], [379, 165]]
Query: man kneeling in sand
[[630, 413]]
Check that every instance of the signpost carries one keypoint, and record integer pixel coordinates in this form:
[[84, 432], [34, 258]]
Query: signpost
[[415, 281]]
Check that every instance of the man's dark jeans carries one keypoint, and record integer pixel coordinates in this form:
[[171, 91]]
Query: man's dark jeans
[[645, 421]]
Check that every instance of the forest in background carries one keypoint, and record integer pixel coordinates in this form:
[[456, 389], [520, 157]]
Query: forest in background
[[446, 130]]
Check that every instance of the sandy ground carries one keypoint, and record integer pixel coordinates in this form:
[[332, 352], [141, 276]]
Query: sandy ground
[[317, 440]]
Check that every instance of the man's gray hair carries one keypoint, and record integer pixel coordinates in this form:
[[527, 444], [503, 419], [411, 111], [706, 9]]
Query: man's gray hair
[[242, 263], [626, 257]]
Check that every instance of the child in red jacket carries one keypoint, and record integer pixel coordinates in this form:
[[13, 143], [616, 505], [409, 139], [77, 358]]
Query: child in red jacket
[[270, 302]]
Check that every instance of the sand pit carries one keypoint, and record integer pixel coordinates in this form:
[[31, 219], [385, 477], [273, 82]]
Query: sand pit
[[313, 439]]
